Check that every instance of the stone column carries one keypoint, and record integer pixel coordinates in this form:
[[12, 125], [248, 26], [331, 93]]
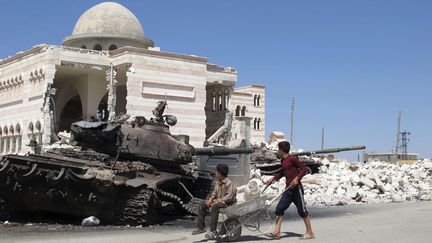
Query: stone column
[[112, 89], [48, 73], [241, 129]]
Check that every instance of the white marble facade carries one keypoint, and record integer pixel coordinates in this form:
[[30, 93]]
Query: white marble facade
[[45, 89]]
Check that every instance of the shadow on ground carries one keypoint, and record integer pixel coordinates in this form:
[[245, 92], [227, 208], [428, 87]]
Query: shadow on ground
[[262, 237]]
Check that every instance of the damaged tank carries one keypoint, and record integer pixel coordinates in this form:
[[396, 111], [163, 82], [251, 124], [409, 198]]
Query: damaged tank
[[271, 166], [121, 172]]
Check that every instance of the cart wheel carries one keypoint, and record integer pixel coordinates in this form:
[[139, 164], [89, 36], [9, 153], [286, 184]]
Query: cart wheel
[[230, 225]]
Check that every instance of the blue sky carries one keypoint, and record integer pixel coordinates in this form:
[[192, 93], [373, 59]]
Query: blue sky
[[351, 65]]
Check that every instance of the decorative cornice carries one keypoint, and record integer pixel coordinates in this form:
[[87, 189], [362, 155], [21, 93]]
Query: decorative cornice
[[21, 55], [136, 50], [220, 69]]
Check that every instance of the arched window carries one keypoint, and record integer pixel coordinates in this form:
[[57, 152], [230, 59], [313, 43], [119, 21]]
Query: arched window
[[6, 140], [258, 123], [12, 139], [255, 100], [258, 100], [30, 128], [237, 112], [255, 123], [18, 138], [39, 132], [83, 47], [97, 47], [112, 47], [214, 101], [220, 105], [226, 99], [243, 111]]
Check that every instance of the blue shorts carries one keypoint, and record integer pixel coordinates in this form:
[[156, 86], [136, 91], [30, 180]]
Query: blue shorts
[[295, 196]]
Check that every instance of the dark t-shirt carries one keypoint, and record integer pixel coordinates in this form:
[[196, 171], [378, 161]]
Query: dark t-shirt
[[291, 167]]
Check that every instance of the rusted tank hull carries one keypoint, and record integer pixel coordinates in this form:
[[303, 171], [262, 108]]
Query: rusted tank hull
[[90, 188]]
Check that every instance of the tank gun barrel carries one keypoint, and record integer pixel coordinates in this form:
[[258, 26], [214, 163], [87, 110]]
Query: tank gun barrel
[[222, 151], [327, 151]]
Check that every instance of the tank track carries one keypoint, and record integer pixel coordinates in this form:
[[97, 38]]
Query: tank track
[[4, 211], [135, 207], [190, 207]]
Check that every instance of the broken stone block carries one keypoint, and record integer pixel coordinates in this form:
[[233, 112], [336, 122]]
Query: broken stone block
[[355, 179], [90, 221], [352, 192], [425, 197], [367, 182], [397, 198], [379, 184]]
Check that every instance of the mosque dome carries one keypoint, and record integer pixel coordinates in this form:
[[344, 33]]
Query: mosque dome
[[105, 25]]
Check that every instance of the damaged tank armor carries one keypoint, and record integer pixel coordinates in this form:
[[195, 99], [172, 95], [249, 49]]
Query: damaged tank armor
[[122, 173]]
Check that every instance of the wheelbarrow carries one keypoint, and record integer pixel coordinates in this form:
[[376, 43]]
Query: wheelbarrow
[[248, 213]]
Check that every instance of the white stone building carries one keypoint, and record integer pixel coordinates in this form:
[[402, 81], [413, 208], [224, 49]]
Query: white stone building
[[250, 101], [108, 67]]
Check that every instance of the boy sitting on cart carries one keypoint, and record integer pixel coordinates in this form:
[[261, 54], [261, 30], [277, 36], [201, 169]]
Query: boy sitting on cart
[[224, 195]]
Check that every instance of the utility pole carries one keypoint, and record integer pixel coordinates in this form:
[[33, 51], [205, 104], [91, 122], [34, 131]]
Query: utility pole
[[322, 138], [292, 121], [397, 134]]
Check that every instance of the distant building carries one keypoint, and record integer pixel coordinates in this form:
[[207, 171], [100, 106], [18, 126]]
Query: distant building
[[276, 137], [107, 67], [389, 157]]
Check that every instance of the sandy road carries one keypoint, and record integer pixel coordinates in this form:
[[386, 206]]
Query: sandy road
[[396, 222]]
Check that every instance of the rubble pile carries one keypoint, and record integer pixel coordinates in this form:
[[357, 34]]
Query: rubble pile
[[343, 183]]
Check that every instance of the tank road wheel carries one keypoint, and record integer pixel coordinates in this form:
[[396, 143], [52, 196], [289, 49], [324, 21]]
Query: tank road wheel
[[135, 206], [4, 209]]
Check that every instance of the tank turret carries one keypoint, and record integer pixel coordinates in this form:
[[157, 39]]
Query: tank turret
[[141, 139]]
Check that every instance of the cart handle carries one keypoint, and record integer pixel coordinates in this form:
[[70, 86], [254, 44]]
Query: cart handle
[[280, 194]]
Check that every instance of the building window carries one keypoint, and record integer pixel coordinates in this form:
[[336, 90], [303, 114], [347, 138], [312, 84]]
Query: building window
[[214, 103], [255, 124], [255, 100], [243, 111], [237, 113], [112, 47], [258, 123], [220, 105], [6, 140], [226, 100], [258, 100], [97, 47], [38, 132], [220, 102], [12, 139]]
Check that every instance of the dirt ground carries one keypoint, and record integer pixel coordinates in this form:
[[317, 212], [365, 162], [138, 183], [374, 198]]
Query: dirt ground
[[395, 222]]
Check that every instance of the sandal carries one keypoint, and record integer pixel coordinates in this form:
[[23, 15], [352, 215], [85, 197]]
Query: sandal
[[307, 237], [198, 231], [211, 235], [272, 236]]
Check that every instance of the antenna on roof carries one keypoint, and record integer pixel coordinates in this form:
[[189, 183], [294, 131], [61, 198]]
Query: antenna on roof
[[397, 135]]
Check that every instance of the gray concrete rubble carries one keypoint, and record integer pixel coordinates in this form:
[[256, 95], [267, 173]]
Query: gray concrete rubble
[[343, 183]]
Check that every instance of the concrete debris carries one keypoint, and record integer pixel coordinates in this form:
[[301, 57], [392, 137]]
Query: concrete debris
[[344, 183], [90, 221], [56, 145]]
